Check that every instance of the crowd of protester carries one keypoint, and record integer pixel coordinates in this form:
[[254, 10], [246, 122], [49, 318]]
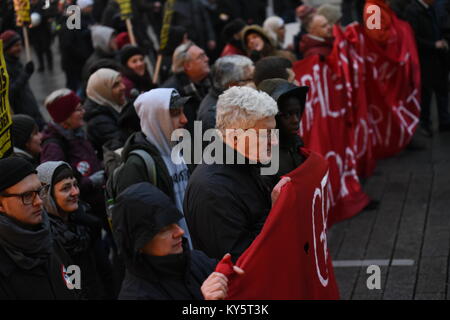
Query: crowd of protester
[[97, 185]]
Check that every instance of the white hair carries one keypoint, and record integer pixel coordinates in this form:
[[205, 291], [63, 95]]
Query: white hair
[[242, 107], [271, 25], [56, 95], [180, 56], [229, 69]]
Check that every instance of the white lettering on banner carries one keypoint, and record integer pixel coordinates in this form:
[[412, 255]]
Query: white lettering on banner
[[308, 114], [361, 126], [404, 115], [324, 209], [346, 168]]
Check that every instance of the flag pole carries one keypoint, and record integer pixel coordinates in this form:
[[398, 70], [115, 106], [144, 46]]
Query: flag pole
[[27, 43]]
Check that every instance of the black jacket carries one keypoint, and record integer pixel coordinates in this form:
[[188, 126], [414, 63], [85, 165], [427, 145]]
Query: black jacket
[[44, 282], [192, 15], [225, 206], [102, 125], [207, 110], [134, 170], [21, 98], [433, 62]]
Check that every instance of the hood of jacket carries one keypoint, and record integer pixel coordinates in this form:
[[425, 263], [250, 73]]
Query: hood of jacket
[[140, 212], [259, 30], [101, 37]]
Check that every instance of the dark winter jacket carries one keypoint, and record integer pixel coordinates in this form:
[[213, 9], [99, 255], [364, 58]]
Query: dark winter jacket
[[21, 98], [131, 80], [102, 125], [25, 155], [44, 280], [134, 170], [225, 206], [140, 213], [432, 60], [207, 110], [192, 15]]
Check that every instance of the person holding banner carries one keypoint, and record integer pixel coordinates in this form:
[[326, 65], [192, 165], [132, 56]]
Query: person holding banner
[[291, 101], [21, 98]]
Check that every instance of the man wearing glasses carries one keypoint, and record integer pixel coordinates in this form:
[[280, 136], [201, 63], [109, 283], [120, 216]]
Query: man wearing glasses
[[31, 263]]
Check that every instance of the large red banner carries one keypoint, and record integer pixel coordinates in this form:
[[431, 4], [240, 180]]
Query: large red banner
[[289, 259], [363, 105]]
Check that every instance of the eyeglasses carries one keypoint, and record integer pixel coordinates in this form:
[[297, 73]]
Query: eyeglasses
[[27, 197]]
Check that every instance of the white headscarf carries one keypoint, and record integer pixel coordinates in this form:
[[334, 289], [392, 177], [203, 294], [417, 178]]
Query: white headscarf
[[99, 87], [271, 25]]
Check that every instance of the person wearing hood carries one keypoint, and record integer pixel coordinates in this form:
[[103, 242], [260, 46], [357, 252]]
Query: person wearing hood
[[106, 99], [65, 140], [71, 223], [275, 28], [258, 44], [104, 47], [21, 98], [319, 39], [32, 264], [134, 71], [26, 138], [160, 112], [159, 264], [232, 34], [291, 101]]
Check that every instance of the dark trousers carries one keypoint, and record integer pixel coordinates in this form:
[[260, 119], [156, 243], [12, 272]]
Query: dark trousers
[[441, 92]]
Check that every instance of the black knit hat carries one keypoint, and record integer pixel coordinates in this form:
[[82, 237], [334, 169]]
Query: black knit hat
[[127, 52], [232, 28], [21, 129], [14, 170]]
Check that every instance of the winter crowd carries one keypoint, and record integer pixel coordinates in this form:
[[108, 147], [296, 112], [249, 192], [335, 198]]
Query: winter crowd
[[98, 186]]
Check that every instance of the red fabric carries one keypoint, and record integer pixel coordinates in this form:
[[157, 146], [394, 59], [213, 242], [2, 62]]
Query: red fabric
[[382, 34], [122, 39], [363, 105], [289, 259], [310, 46], [230, 50], [61, 108]]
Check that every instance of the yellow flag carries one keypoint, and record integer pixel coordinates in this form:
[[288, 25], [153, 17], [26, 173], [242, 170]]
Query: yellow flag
[[22, 9], [5, 113]]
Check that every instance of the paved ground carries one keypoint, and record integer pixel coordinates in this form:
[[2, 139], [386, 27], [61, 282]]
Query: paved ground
[[412, 221]]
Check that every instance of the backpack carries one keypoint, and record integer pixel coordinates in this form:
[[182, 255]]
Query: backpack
[[111, 183]]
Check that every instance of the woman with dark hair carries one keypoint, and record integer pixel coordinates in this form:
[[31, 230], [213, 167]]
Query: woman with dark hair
[[134, 71]]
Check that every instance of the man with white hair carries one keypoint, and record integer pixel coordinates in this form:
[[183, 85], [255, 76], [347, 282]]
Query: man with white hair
[[226, 204], [227, 72], [190, 68]]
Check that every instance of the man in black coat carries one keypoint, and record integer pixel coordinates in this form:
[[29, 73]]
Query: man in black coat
[[433, 54], [226, 202], [21, 98], [32, 264]]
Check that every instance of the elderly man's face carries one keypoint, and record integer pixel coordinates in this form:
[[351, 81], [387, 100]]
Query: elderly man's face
[[256, 143], [197, 66], [320, 27], [29, 212]]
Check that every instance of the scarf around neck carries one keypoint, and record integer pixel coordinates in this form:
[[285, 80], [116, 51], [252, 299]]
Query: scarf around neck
[[26, 247]]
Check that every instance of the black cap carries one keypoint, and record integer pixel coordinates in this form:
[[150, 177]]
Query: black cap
[[278, 88], [13, 170], [127, 52], [21, 129], [177, 101]]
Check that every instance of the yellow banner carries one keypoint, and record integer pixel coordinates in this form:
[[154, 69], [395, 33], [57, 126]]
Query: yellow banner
[[125, 9], [167, 20], [22, 9], [5, 113]]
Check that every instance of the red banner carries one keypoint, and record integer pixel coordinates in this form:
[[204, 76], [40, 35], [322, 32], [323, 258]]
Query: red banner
[[289, 259], [363, 105]]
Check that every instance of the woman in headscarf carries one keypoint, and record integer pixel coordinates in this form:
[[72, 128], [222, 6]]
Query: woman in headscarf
[[71, 223], [134, 71], [106, 99], [159, 264]]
